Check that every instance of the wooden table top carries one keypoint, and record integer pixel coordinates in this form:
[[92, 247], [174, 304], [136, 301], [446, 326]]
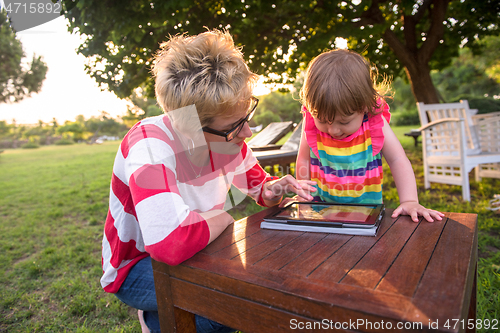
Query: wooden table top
[[410, 272]]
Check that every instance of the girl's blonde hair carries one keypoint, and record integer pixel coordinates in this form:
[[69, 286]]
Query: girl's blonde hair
[[341, 82], [206, 70]]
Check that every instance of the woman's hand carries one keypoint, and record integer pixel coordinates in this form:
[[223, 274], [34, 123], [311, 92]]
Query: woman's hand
[[275, 189], [414, 209], [292, 199]]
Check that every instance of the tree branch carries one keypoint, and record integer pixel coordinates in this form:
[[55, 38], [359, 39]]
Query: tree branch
[[435, 32], [404, 55]]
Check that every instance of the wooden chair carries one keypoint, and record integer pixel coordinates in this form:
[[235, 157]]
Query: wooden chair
[[452, 146], [283, 156], [269, 136]]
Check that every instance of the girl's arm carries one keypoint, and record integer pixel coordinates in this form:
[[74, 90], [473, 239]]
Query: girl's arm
[[404, 178], [303, 163]]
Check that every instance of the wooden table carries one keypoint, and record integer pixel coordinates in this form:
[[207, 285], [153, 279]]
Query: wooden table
[[410, 277]]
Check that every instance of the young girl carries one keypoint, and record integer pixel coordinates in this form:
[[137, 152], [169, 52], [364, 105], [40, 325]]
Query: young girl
[[346, 131]]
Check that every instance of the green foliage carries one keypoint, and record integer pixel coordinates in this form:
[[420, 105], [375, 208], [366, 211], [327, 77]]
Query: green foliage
[[63, 142], [403, 99], [30, 145], [143, 107], [285, 35], [482, 104], [466, 77], [50, 133], [403, 106], [277, 106], [75, 130], [153, 110], [16, 81], [264, 118], [490, 46], [406, 118]]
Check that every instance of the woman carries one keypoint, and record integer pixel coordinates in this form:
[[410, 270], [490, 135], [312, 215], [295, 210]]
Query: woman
[[172, 173]]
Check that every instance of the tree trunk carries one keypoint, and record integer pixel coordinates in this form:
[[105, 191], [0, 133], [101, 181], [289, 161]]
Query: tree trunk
[[415, 58], [421, 84], [416, 65]]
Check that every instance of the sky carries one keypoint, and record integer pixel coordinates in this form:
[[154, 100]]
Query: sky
[[67, 90]]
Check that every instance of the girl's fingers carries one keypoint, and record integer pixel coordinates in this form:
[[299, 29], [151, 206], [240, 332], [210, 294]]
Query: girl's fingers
[[396, 212]]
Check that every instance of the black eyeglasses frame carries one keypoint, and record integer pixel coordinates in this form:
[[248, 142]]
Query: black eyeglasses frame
[[233, 132]]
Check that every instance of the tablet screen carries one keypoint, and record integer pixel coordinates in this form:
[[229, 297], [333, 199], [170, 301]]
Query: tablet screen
[[327, 213]]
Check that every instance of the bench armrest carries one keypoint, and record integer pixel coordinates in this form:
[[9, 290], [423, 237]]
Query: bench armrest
[[437, 122]]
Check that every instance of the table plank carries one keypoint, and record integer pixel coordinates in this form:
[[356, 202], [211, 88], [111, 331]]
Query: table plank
[[238, 231], [313, 257], [373, 265], [252, 255], [234, 311], [290, 251], [455, 257], [345, 258], [405, 273]]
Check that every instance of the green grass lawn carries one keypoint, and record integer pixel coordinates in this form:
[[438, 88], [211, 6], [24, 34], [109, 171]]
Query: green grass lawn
[[53, 202]]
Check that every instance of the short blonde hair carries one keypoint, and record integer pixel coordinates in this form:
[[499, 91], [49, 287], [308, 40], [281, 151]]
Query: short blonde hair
[[341, 82], [206, 70]]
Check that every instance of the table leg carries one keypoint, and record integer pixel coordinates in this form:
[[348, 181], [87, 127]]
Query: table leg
[[473, 304], [172, 319]]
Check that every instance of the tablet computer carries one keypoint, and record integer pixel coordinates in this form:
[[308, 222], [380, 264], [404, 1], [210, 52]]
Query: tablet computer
[[333, 215]]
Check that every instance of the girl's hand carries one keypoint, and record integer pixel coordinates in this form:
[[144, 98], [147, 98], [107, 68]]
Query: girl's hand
[[275, 189], [414, 209]]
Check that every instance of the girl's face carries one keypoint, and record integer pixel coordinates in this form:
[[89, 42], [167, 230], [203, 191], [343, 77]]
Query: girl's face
[[342, 126]]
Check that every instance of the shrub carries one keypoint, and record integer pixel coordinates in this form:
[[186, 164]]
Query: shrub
[[64, 142], [30, 145], [405, 118], [482, 104]]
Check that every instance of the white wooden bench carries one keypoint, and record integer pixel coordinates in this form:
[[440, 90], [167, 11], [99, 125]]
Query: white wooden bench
[[455, 141]]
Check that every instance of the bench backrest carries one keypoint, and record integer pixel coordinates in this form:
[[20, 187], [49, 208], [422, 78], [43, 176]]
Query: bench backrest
[[433, 112], [293, 141], [488, 128], [271, 134]]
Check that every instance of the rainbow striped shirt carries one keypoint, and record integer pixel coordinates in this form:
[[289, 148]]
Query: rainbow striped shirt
[[348, 170]]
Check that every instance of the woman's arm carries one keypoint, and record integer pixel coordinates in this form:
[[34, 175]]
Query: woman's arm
[[273, 190], [302, 185], [217, 221]]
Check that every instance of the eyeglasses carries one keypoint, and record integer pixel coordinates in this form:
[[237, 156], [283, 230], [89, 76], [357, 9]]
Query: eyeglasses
[[233, 132]]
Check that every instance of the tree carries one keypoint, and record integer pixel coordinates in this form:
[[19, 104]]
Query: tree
[[278, 106], [17, 82], [282, 36]]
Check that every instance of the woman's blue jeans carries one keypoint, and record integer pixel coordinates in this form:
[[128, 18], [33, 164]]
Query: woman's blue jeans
[[138, 291]]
